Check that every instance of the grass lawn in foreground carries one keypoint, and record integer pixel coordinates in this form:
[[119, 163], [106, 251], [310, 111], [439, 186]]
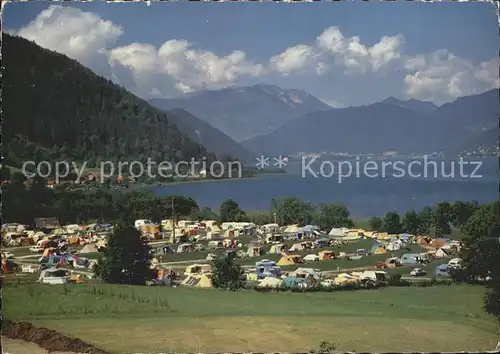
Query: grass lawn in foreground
[[161, 319]]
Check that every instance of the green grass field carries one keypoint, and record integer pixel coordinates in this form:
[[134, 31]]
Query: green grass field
[[158, 319]]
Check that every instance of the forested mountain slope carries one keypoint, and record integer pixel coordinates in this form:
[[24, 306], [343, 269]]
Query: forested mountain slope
[[54, 108]]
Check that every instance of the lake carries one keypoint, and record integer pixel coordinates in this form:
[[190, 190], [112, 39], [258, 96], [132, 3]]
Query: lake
[[365, 194]]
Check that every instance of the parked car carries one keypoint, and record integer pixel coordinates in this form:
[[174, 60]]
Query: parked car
[[418, 272], [211, 257]]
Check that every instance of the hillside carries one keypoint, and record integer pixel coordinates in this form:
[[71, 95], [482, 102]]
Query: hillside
[[212, 139], [245, 112], [56, 109], [391, 125], [367, 129], [484, 143]]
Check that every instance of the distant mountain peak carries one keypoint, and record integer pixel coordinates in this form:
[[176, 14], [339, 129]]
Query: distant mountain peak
[[413, 104]]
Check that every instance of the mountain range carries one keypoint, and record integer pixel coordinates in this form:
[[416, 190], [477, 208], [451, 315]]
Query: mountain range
[[55, 108], [212, 139], [244, 112], [392, 125]]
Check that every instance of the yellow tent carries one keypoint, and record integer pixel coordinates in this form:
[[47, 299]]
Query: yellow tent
[[344, 279], [289, 260], [378, 249], [197, 269], [198, 281], [382, 236]]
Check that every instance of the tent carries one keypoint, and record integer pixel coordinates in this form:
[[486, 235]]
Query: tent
[[394, 245], [439, 242], [346, 279], [289, 260], [198, 281], [279, 248], [291, 229], [382, 236], [90, 248], [197, 269], [325, 255], [338, 232], [378, 249], [270, 282], [441, 253], [254, 251], [410, 258], [298, 247]]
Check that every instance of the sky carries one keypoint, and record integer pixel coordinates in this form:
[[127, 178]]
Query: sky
[[344, 53]]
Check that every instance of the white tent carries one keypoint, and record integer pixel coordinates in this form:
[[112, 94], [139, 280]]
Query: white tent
[[394, 245], [90, 248], [339, 232], [292, 229]]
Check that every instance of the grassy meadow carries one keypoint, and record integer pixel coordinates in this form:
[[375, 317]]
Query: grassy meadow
[[159, 319]]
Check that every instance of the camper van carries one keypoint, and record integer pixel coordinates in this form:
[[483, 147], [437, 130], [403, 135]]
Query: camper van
[[455, 263], [141, 222], [54, 276]]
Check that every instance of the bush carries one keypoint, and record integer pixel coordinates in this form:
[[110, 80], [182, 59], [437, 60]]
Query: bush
[[396, 280], [324, 348], [227, 274]]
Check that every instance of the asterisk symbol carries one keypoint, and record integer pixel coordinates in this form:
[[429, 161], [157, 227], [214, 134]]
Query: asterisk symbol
[[280, 161], [262, 161]]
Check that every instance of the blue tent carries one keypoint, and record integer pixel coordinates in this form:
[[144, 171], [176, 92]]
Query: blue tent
[[309, 228], [410, 258], [292, 281]]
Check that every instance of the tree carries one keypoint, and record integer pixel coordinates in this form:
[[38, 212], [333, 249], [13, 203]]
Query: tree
[[391, 223], [127, 258], [292, 210], [4, 173], [462, 211], [375, 223], [443, 215], [204, 214], [230, 211], [425, 218], [227, 274], [481, 252], [333, 215], [411, 222]]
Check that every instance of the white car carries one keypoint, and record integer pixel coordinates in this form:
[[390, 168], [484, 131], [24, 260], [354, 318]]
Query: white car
[[327, 283], [211, 257], [311, 258], [417, 272], [9, 255]]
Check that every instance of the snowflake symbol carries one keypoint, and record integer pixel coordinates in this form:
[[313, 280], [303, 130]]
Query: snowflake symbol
[[280, 161], [262, 161]]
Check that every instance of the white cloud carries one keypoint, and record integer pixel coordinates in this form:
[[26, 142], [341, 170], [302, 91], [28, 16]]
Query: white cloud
[[80, 35], [180, 66], [332, 47], [441, 76]]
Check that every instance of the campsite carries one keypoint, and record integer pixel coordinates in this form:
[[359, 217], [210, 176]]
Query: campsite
[[185, 313]]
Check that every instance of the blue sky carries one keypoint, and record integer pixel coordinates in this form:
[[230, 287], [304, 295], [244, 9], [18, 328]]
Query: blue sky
[[434, 51]]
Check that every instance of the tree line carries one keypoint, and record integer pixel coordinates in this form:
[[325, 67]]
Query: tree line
[[437, 220]]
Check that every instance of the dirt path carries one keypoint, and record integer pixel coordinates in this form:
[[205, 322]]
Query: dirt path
[[16, 346], [24, 338]]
